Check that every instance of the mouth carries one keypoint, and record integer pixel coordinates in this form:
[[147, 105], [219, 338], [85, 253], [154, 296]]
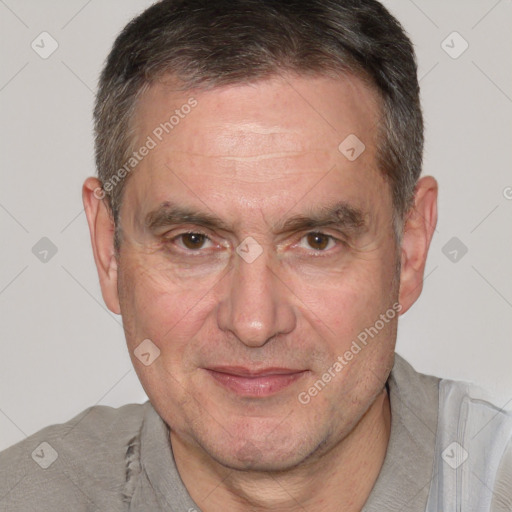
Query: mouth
[[255, 383]]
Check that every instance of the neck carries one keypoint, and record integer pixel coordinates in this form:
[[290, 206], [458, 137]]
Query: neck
[[339, 480]]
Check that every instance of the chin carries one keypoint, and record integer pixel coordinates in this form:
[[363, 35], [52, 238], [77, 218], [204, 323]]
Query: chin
[[253, 460], [263, 453]]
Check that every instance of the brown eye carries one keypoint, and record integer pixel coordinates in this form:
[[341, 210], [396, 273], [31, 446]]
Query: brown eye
[[318, 241], [193, 240]]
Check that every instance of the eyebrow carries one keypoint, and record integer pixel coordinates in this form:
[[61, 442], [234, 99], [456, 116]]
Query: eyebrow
[[340, 214], [168, 214]]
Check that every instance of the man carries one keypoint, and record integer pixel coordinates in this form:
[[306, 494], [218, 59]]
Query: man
[[260, 224]]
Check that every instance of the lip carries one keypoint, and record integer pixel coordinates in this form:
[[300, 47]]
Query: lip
[[254, 383]]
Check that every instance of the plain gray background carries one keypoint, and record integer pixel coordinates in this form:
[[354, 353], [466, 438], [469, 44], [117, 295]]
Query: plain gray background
[[62, 351]]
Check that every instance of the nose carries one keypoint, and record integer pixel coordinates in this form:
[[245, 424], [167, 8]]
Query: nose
[[255, 305]]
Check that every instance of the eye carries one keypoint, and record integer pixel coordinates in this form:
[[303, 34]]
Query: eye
[[192, 241], [318, 241]]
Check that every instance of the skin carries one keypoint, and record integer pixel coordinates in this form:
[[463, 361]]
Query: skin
[[254, 156]]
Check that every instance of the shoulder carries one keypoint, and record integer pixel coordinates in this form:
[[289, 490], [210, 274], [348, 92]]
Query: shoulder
[[470, 437], [77, 465], [473, 464]]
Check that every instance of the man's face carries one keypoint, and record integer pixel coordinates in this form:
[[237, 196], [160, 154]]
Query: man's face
[[243, 334]]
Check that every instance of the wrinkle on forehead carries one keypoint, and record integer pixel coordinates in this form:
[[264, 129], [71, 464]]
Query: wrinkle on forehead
[[309, 165], [248, 141], [253, 158], [257, 128]]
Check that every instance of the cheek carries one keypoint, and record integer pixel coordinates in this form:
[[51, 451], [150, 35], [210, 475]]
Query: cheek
[[341, 304], [158, 305]]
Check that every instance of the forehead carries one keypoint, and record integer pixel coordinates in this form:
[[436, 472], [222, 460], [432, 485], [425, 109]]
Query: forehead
[[262, 140], [267, 109]]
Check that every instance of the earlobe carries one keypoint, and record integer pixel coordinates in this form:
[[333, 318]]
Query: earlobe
[[102, 230], [419, 227]]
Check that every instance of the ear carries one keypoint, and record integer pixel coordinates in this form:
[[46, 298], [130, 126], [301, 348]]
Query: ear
[[420, 223], [101, 227]]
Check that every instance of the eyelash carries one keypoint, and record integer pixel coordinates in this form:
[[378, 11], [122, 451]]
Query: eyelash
[[316, 253]]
